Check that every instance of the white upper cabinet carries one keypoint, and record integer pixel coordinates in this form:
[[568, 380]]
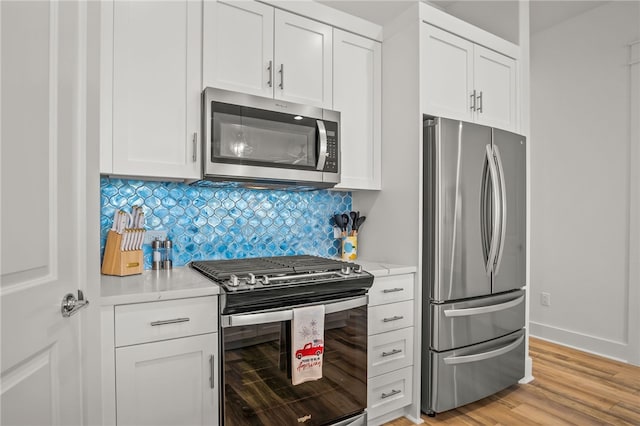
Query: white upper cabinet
[[495, 78], [357, 95], [238, 47], [253, 48], [303, 57], [466, 81], [156, 85], [447, 73]]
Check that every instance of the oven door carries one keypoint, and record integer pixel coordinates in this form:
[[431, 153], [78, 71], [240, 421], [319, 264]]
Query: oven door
[[256, 360]]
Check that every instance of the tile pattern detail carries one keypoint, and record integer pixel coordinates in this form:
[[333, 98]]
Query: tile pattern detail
[[227, 223]]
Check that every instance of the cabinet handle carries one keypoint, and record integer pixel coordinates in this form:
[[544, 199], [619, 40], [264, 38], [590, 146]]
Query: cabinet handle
[[270, 69], [480, 102], [394, 318], [281, 76], [171, 321], [393, 352], [392, 290], [195, 147], [393, 392], [473, 101], [212, 364]]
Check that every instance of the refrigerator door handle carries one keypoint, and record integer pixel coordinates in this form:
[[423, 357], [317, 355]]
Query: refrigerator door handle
[[452, 360], [493, 248], [503, 208], [483, 309]]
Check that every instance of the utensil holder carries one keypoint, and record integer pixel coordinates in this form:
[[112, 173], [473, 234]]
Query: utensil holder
[[120, 262], [349, 248]]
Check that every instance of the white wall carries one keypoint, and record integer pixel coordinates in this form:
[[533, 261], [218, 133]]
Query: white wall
[[581, 143]]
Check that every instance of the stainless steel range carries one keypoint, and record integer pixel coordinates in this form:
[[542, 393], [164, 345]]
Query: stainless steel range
[[257, 304]]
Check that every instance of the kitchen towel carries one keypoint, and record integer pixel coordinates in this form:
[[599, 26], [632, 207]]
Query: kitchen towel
[[307, 341]]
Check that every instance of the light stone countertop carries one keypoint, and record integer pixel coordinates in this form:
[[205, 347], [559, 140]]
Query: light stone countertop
[[176, 283], [184, 282]]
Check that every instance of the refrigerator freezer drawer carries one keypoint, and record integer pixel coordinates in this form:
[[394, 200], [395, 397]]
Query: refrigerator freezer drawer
[[469, 322], [465, 375]]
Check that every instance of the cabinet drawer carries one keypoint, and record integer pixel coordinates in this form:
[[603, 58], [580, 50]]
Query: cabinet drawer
[[389, 317], [389, 392], [459, 324], [148, 322], [390, 351], [391, 289]]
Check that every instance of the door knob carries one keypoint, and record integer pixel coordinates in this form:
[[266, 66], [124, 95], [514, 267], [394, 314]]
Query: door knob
[[71, 305]]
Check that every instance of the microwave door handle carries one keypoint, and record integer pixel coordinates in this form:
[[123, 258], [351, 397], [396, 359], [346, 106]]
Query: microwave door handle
[[322, 155]]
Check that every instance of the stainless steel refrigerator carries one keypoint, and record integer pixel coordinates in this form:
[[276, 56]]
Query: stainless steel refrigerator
[[473, 262]]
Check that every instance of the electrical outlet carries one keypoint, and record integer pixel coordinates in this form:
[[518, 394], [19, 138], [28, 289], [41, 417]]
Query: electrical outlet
[[545, 299], [149, 236], [337, 233]]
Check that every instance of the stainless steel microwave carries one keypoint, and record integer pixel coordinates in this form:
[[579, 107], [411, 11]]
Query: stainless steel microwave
[[267, 141]]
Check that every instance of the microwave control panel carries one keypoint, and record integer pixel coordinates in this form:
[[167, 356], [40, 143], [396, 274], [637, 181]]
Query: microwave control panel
[[331, 164]]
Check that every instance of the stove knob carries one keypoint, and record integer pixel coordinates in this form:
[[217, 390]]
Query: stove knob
[[357, 269], [346, 269], [233, 280], [252, 279], [265, 279]]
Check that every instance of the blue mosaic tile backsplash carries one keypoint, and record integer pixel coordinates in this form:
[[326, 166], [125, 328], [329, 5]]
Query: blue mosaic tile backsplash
[[227, 223]]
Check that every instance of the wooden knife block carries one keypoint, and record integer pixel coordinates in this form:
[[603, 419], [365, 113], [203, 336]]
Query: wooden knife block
[[119, 262]]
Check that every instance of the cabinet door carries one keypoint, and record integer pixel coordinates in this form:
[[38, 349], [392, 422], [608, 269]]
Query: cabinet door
[[172, 382], [447, 74], [495, 79], [357, 90], [156, 88], [238, 47], [303, 60]]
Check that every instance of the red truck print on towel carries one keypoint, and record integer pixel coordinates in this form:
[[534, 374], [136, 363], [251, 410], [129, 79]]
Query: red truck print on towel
[[309, 350]]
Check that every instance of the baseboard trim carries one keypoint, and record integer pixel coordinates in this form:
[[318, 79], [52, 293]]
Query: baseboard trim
[[595, 345], [528, 371]]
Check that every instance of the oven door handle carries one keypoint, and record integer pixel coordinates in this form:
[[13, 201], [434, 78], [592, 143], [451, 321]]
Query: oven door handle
[[287, 314]]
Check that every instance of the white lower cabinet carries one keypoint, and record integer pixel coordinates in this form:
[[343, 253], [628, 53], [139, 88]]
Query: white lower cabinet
[[389, 392], [390, 347], [164, 356], [171, 382]]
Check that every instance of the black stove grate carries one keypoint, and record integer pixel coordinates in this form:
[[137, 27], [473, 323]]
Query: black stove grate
[[220, 270]]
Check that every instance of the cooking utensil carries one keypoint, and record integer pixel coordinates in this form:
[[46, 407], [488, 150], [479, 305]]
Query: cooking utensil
[[358, 224], [345, 222], [337, 218], [354, 218]]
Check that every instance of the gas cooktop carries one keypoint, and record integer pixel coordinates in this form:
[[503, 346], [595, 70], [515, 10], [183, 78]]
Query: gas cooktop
[[276, 282]]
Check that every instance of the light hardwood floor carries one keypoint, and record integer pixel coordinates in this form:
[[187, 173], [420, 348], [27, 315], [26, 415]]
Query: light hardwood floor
[[570, 388]]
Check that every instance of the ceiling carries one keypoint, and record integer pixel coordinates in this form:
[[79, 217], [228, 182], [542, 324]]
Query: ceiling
[[544, 13]]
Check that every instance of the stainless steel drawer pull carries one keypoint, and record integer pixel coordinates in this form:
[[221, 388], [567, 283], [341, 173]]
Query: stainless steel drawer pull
[[393, 318], [393, 352], [171, 321], [393, 392], [194, 157], [392, 290], [281, 76], [212, 364]]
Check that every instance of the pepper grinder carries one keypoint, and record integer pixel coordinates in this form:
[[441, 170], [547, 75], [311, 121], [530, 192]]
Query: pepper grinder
[[168, 255], [156, 257]]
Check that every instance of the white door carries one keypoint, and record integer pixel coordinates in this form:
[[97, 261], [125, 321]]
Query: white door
[[303, 59], [238, 47], [43, 205], [171, 382], [357, 95], [157, 86], [447, 74], [496, 88]]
